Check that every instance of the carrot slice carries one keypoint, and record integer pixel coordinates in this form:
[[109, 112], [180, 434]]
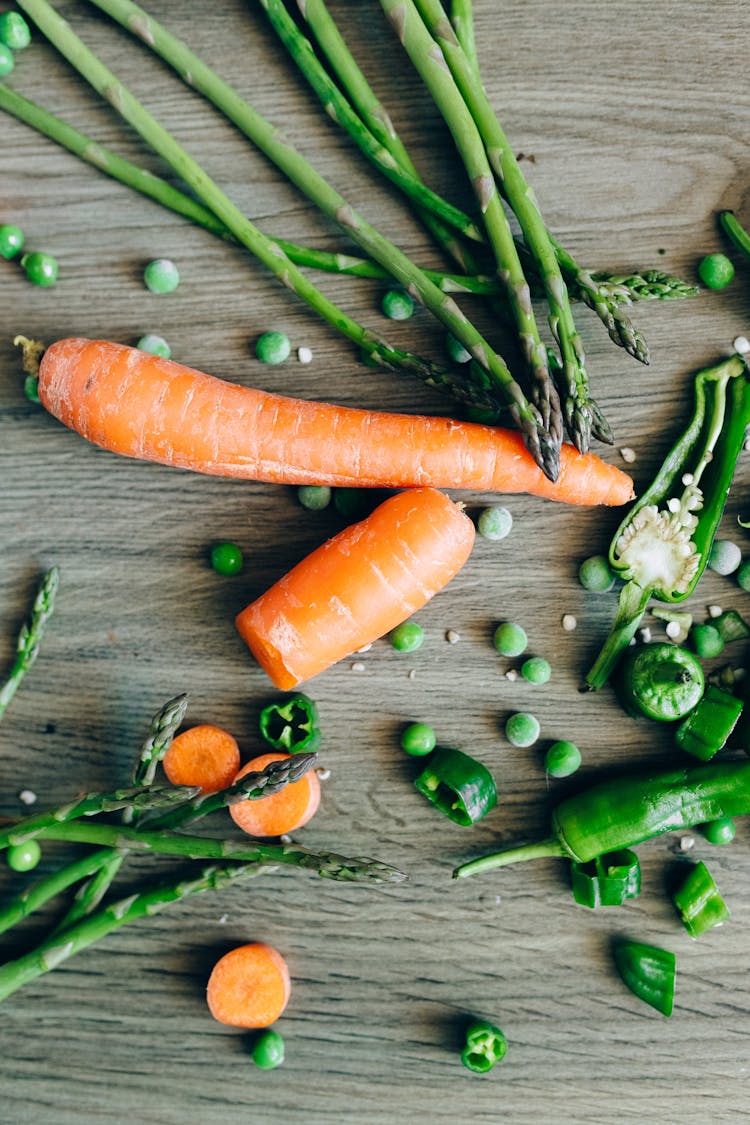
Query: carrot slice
[[204, 755], [282, 812], [249, 986], [357, 586]]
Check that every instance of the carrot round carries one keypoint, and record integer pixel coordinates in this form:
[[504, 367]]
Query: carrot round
[[249, 986], [281, 812], [203, 755], [138, 405], [357, 586]]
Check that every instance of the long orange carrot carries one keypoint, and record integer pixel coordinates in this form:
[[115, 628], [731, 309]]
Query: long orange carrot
[[134, 403], [204, 755], [249, 986], [357, 586], [281, 812]]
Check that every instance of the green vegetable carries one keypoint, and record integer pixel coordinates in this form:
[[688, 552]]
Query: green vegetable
[[743, 576], [291, 724], [30, 636], [418, 739], [706, 640], [731, 626], [226, 558], [14, 31], [607, 880], [522, 729], [719, 832], [407, 637], [41, 269], [314, 497], [397, 305], [661, 547], [156, 345], [485, 1046], [23, 857], [509, 639], [661, 681], [6, 61], [724, 556], [648, 972], [31, 388], [11, 240], [268, 1050], [562, 759], [699, 902], [456, 350], [624, 811], [707, 728], [715, 271], [735, 231], [536, 670], [595, 574], [459, 786], [273, 347], [161, 276], [494, 523]]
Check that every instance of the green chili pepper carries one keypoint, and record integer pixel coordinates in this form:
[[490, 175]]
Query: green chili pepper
[[459, 786], [291, 724], [661, 548], [648, 972], [661, 681], [607, 880], [708, 726], [699, 902], [485, 1046], [625, 811], [735, 231]]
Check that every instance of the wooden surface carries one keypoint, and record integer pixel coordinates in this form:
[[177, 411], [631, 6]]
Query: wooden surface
[[637, 118]]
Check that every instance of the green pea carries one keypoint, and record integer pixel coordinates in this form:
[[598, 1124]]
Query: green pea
[[23, 857], [596, 575], [226, 558], [494, 523], [418, 739], [715, 271], [155, 345], [407, 637], [273, 348], [706, 640], [41, 269], [14, 31], [743, 576], [314, 497], [397, 305], [268, 1050], [6, 61], [562, 759], [721, 831], [456, 350], [509, 639], [522, 729], [724, 556], [11, 240], [536, 670], [161, 276], [31, 388]]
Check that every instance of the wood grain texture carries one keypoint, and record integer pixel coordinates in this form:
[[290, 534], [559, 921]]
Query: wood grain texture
[[637, 119]]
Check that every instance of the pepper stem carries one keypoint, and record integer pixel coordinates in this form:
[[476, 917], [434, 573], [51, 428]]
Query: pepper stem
[[633, 602], [549, 847]]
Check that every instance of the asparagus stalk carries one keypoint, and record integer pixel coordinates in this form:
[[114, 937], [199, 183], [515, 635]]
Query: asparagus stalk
[[541, 443], [49, 886], [462, 19], [30, 636]]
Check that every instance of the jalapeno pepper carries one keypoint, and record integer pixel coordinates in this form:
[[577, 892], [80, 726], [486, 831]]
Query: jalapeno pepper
[[459, 786], [660, 681], [485, 1046], [709, 725], [699, 902], [607, 880], [625, 811], [291, 724], [661, 548], [648, 972]]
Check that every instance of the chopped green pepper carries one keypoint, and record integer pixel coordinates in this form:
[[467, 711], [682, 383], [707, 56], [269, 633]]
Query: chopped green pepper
[[662, 546], [699, 902], [291, 724], [485, 1046], [607, 880], [708, 726], [648, 972], [731, 626], [458, 785], [661, 681]]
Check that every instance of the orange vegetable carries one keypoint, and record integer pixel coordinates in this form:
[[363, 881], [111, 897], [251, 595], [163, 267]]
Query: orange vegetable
[[204, 755], [139, 405], [357, 586], [281, 812], [249, 986]]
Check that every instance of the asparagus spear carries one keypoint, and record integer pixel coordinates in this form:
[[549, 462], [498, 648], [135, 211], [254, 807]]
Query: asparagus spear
[[462, 19], [542, 444], [30, 636], [36, 894]]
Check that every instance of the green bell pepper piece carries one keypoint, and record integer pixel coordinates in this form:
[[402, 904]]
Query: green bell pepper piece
[[648, 972], [458, 785], [699, 902], [291, 724], [731, 625], [607, 880], [709, 725], [485, 1046]]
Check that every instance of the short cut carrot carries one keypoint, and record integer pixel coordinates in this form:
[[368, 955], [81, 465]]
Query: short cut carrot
[[139, 405], [280, 812], [249, 986], [203, 755], [357, 586]]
